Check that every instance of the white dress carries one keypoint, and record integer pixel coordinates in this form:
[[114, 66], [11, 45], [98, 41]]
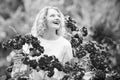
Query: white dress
[[61, 49]]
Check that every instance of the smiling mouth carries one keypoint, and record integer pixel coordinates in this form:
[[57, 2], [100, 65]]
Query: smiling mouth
[[56, 22]]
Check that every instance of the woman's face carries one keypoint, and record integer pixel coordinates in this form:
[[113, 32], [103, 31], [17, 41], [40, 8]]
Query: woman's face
[[53, 19]]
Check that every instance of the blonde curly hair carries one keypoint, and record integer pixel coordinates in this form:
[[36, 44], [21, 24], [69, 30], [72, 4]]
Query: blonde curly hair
[[39, 24]]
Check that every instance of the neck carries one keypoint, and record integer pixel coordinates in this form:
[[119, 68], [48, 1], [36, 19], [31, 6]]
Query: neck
[[50, 34]]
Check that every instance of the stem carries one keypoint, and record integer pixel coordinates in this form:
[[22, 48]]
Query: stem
[[44, 76], [14, 30]]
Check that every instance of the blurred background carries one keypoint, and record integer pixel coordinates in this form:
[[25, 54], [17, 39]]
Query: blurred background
[[101, 17]]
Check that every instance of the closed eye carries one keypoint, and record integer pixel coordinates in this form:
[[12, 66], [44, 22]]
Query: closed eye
[[52, 15]]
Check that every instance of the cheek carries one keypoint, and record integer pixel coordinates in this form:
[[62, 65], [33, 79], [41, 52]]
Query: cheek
[[49, 24], [49, 21]]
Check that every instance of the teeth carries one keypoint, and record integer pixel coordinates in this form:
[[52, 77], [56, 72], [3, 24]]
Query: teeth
[[56, 22]]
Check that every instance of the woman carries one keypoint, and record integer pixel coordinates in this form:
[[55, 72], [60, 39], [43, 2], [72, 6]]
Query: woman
[[49, 28]]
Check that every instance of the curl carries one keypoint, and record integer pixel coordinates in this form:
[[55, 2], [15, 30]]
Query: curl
[[39, 25]]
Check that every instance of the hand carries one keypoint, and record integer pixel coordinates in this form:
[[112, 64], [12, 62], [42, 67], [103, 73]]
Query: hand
[[17, 55]]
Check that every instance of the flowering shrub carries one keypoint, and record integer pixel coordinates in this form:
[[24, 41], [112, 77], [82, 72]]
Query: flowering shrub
[[91, 56], [90, 62]]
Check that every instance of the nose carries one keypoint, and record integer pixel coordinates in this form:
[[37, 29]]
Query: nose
[[57, 17]]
